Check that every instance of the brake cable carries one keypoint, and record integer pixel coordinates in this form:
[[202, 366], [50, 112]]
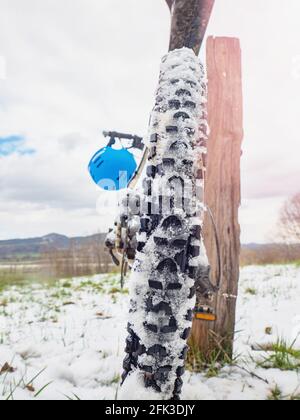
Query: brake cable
[[217, 243], [218, 247]]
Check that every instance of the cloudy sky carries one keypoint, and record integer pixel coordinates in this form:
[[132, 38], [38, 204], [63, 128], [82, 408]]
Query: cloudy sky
[[70, 69]]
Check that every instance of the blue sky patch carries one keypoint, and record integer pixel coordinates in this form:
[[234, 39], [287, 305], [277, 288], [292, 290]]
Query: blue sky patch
[[14, 144]]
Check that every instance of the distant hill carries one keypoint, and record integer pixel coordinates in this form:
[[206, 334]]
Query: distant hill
[[32, 247]]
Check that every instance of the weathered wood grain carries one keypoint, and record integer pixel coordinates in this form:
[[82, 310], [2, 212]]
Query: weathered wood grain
[[223, 187]]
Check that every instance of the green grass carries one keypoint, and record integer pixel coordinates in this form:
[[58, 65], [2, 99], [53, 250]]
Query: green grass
[[20, 279], [115, 290], [275, 394], [213, 361], [115, 380], [251, 291], [24, 384], [284, 357]]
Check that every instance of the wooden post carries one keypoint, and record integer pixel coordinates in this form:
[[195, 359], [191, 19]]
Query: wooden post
[[222, 191]]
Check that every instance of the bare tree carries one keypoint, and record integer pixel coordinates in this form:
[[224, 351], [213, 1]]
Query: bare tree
[[289, 221], [79, 259]]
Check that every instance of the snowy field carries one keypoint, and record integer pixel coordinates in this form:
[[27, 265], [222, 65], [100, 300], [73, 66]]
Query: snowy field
[[66, 341]]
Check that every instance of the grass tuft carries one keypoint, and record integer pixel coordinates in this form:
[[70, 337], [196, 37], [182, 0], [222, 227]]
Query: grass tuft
[[275, 394], [251, 291], [214, 360], [284, 357]]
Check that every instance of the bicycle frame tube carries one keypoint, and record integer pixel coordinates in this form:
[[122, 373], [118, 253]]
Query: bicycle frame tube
[[189, 23]]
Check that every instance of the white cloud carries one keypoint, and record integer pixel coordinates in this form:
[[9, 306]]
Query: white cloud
[[77, 67], [30, 220]]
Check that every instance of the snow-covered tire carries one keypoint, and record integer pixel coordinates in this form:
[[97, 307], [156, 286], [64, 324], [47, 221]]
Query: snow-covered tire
[[162, 284]]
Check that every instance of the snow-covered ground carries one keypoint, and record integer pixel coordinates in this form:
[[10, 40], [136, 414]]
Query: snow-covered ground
[[66, 341]]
